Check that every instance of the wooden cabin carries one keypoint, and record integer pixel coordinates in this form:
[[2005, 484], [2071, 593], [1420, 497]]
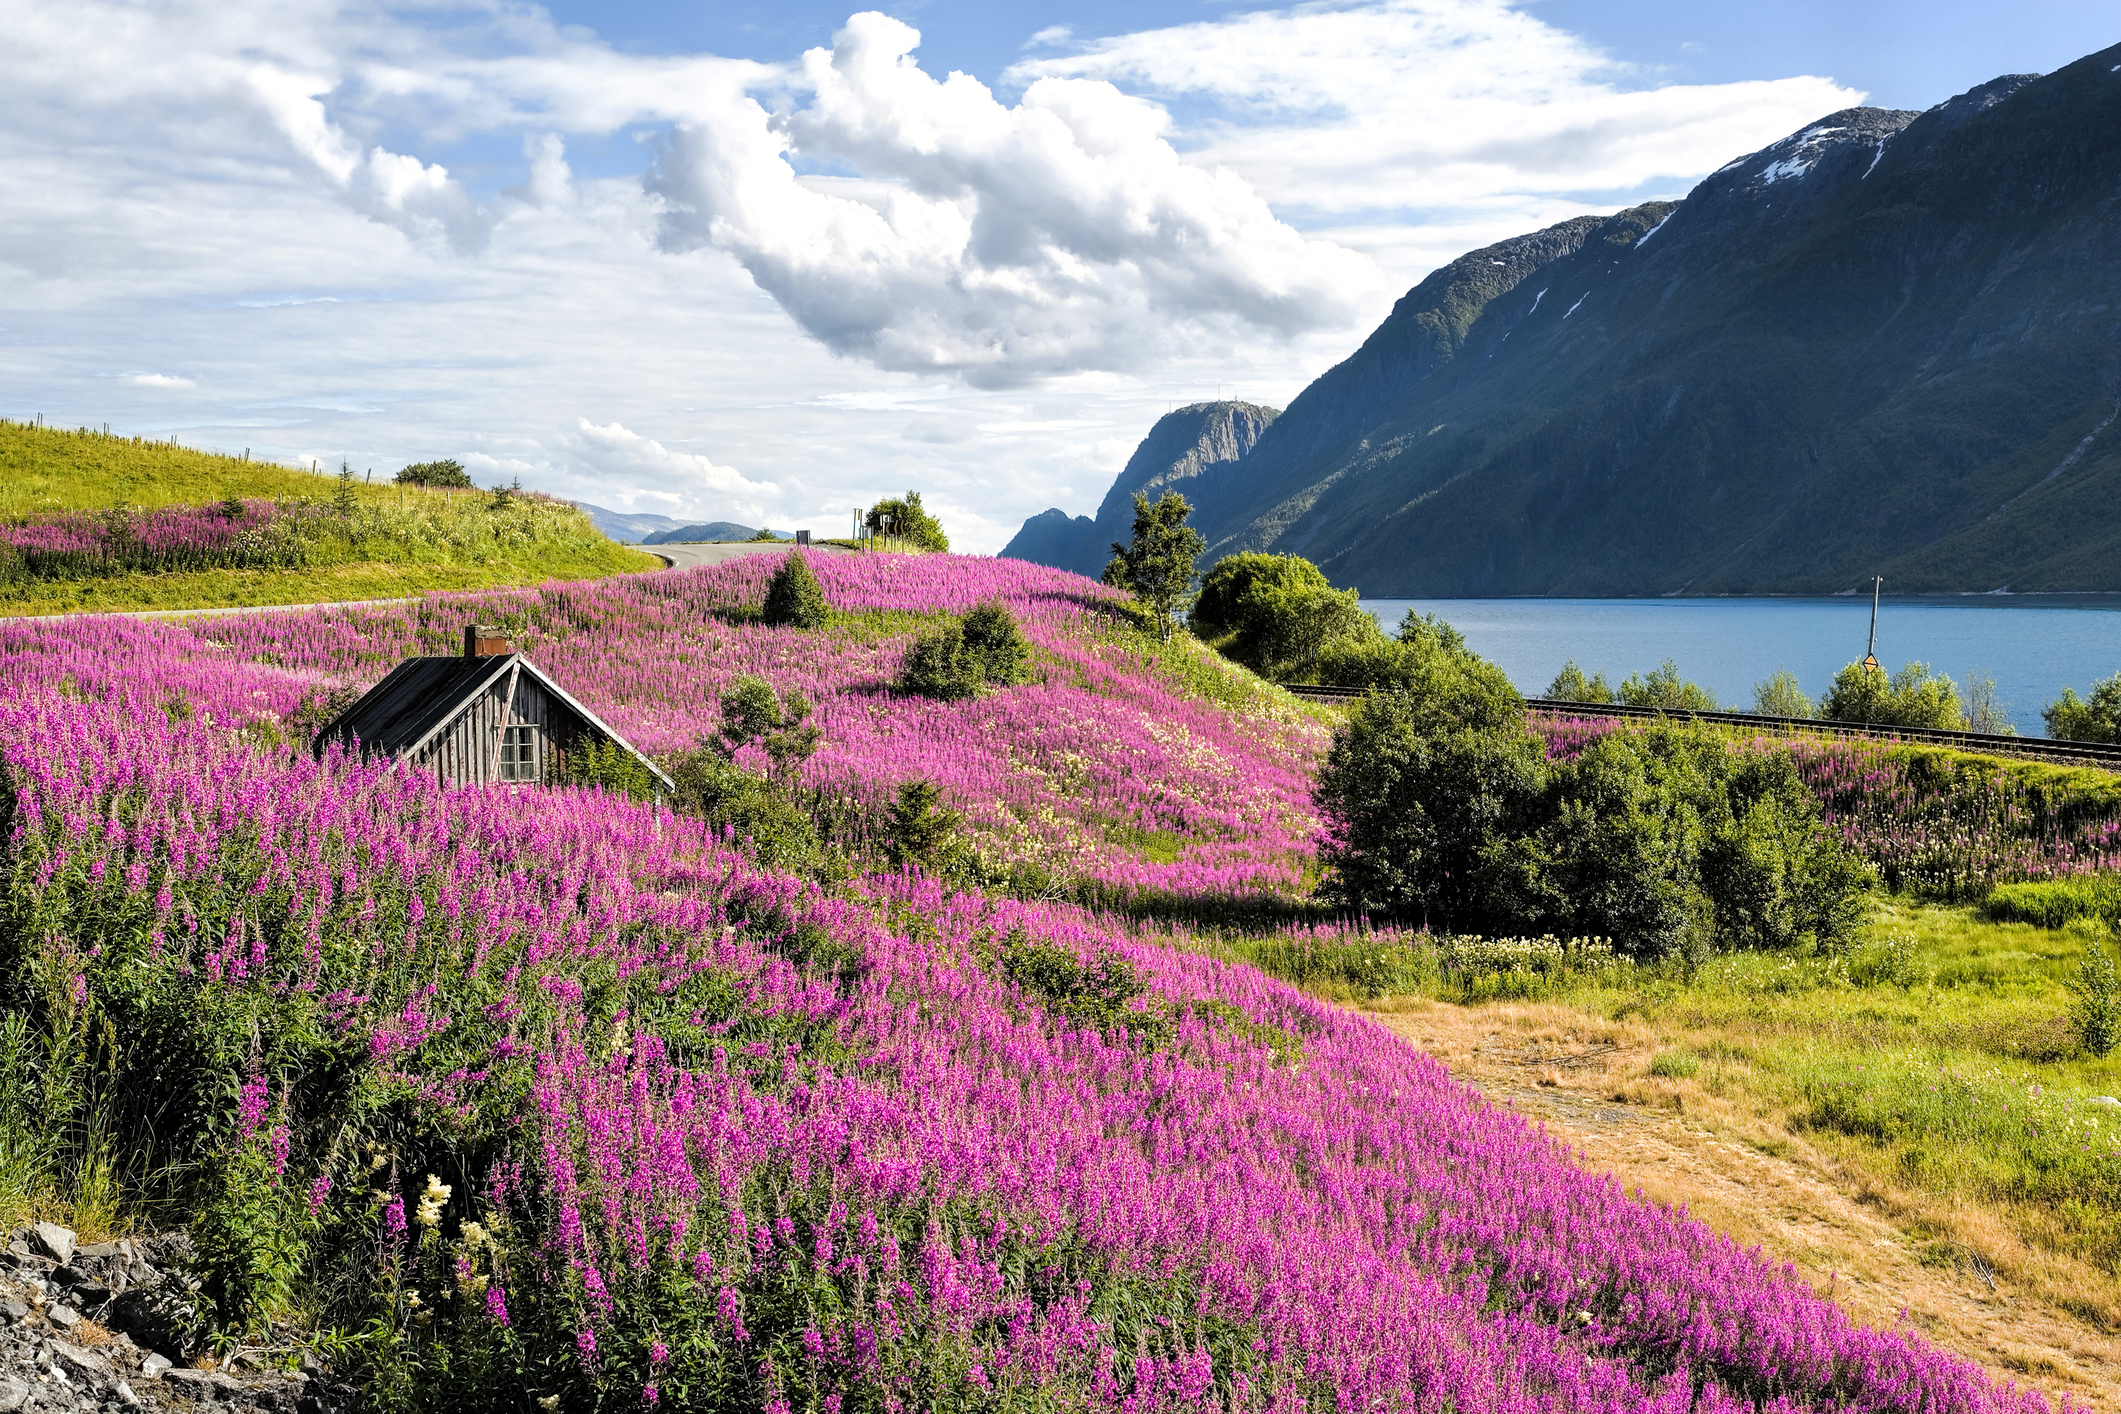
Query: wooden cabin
[[485, 715]]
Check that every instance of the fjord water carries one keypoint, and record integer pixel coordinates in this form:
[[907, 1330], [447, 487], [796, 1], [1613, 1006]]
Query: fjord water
[[2032, 645]]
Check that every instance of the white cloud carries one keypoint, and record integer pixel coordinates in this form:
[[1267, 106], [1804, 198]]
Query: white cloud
[[1394, 105], [297, 205], [993, 243]]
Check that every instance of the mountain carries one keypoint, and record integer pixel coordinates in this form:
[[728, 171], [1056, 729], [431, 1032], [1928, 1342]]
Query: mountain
[[627, 527], [1193, 450], [709, 531], [1887, 344]]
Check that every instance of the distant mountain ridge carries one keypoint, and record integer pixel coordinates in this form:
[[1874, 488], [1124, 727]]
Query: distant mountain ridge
[[1190, 450], [1889, 343]]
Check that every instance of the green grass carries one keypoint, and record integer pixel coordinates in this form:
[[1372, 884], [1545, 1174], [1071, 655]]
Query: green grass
[[399, 541], [2053, 903]]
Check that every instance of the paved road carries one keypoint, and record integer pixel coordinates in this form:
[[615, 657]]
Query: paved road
[[685, 556]]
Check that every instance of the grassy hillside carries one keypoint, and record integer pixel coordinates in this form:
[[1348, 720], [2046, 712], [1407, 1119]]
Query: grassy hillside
[[297, 541]]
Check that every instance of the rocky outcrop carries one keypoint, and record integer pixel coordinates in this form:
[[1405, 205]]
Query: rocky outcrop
[[1193, 451], [113, 1325]]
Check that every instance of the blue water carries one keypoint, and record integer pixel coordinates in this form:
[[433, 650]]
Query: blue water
[[2031, 645]]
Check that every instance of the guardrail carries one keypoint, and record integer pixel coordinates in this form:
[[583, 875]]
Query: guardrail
[[2076, 753]]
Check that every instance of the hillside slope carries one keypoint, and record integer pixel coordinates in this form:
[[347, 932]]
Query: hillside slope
[[1193, 450], [1889, 343], [92, 522]]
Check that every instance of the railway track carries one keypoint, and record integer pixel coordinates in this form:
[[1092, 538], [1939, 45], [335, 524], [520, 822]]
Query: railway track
[[2074, 753]]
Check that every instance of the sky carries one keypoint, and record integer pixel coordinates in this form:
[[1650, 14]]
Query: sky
[[770, 262]]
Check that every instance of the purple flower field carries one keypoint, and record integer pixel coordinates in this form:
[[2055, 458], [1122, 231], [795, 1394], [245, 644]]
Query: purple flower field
[[561, 1097]]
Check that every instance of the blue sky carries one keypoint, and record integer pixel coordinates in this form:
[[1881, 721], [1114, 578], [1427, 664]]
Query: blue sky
[[766, 262]]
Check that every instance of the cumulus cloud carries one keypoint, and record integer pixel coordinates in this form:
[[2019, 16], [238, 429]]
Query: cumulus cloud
[[159, 380], [984, 241], [1338, 109]]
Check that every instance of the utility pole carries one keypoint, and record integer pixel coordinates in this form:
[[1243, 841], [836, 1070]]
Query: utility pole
[[1870, 654]]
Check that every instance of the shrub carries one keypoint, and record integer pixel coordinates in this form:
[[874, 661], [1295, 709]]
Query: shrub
[[1276, 613], [1664, 688], [2097, 1008], [756, 811], [753, 715], [2095, 719], [924, 832], [793, 598], [1913, 697], [448, 474], [995, 644], [937, 665], [1570, 685], [1418, 783], [907, 519], [2051, 903], [1780, 696]]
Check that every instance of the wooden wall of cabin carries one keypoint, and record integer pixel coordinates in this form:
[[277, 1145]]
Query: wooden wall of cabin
[[468, 750]]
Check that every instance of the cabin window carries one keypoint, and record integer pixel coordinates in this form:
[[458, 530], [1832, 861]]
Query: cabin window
[[519, 753]]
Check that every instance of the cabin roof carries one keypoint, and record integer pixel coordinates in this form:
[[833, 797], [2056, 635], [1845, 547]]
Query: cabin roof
[[421, 696]]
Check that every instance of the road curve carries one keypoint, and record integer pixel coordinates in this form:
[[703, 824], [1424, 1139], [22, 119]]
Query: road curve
[[688, 556]]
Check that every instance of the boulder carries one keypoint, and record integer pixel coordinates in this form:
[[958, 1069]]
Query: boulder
[[54, 1241]]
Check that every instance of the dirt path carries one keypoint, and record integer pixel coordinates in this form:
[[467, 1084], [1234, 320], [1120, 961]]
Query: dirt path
[[1763, 1188]]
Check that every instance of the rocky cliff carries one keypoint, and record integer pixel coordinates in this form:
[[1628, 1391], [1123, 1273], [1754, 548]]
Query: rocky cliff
[[1192, 451]]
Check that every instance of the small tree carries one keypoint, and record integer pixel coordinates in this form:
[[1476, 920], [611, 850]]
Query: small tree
[[2097, 1009], [1156, 566], [1664, 688], [995, 643], [907, 519], [924, 831], [754, 715], [1275, 613], [342, 495], [1986, 710], [447, 475], [2095, 719], [1570, 685], [793, 598], [1780, 696], [1912, 697], [937, 665]]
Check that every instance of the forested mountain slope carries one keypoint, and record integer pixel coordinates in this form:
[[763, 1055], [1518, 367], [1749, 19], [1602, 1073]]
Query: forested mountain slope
[[1889, 343]]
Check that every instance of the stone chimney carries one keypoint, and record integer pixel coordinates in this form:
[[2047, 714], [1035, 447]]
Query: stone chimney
[[481, 641]]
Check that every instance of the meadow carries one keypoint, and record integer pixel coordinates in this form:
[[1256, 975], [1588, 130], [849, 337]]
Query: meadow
[[90, 522], [495, 1096]]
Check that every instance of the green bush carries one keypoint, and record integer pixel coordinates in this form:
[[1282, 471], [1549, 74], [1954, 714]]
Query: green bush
[[1676, 1064], [937, 665], [995, 644], [1780, 696], [1275, 613], [1570, 685], [793, 598], [907, 519], [1913, 697], [923, 832], [2096, 719], [448, 475], [1442, 809], [755, 810], [2051, 903], [2097, 1005], [1664, 688]]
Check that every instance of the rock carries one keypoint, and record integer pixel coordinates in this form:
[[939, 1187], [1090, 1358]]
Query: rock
[[87, 1362], [56, 1242], [2105, 1100], [17, 1245], [154, 1365], [162, 1316], [198, 1383], [14, 1393], [12, 1309], [126, 1395], [101, 1249], [63, 1317]]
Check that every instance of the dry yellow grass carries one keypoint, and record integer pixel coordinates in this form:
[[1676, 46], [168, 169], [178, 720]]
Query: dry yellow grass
[[1962, 1273]]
